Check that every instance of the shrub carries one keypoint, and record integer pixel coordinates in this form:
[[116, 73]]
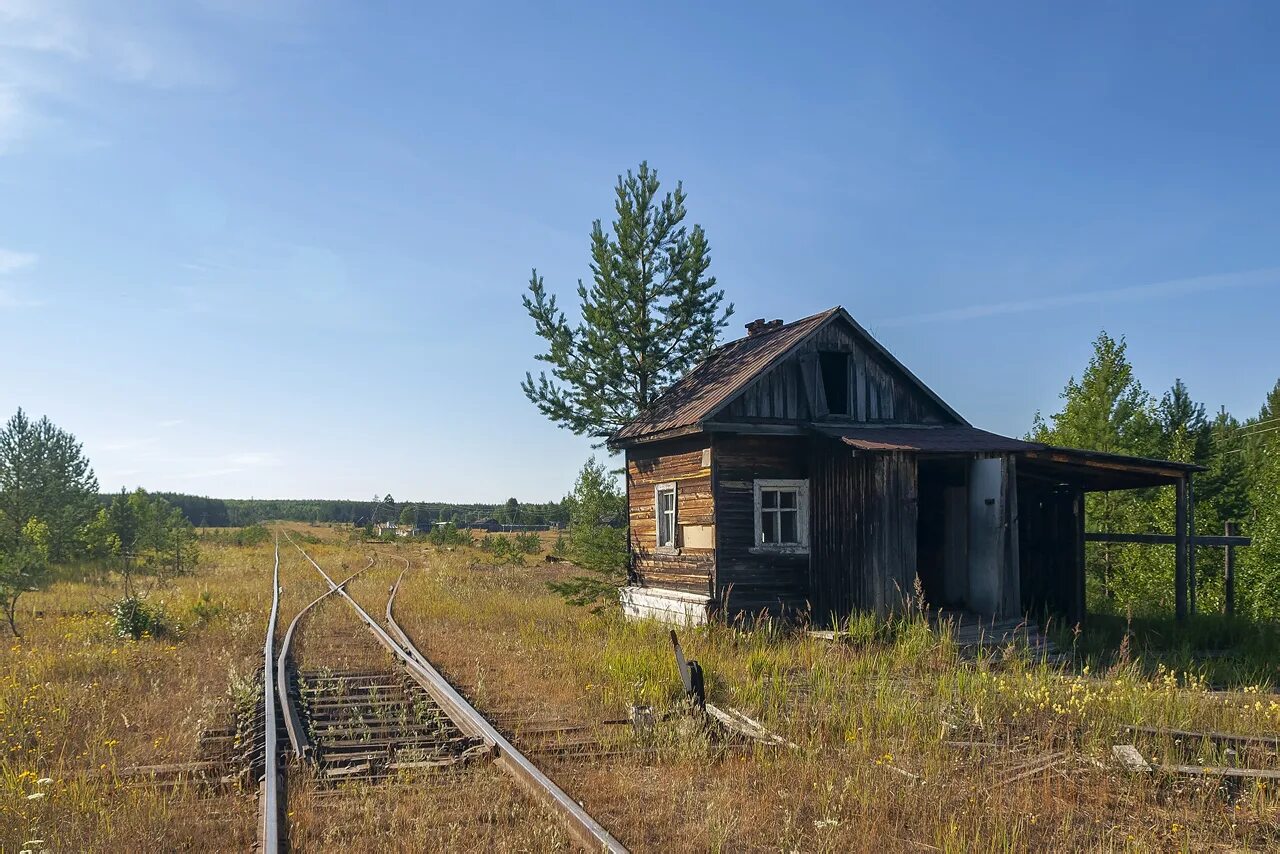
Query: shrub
[[528, 543], [252, 536], [133, 617], [449, 535], [205, 609]]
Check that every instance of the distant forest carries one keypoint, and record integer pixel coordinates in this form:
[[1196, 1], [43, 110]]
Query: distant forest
[[204, 512]]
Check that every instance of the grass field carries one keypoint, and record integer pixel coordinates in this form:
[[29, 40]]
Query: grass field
[[873, 721]]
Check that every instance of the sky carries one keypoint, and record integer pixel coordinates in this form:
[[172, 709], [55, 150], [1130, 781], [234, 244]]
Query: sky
[[256, 249]]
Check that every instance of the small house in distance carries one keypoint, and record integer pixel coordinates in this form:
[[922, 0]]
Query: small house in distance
[[803, 468]]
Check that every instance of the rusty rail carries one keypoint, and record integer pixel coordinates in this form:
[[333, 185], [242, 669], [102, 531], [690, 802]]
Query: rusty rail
[[298, 738], [271, 784], [584, 829]]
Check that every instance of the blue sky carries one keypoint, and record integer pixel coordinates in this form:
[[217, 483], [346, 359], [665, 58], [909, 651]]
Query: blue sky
[[255, 249]]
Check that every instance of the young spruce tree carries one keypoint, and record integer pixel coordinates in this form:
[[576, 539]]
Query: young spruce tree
[[650, 313]]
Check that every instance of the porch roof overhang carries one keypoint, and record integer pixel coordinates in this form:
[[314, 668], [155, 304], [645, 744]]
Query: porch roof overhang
[[1092, 471], [1097, 471]]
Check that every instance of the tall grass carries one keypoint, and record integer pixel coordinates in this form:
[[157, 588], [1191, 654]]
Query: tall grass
[[876, 718]]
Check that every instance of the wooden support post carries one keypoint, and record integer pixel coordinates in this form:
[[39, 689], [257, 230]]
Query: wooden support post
[[1180, 549], [1229, 570], [1080, 601], [1191, 544]]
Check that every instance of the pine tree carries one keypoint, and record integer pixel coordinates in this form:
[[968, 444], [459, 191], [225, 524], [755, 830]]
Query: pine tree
[[24, 566], [597, 540], [44, 475], [649, 315], [1178, 412], [1259, 579], [1108, 410]]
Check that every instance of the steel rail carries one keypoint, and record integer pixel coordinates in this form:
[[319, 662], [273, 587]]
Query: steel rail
[[298, 738], [584, 829], [269, 799]]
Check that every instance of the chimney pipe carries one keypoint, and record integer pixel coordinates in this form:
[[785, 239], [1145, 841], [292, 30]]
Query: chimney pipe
[[759, 326]]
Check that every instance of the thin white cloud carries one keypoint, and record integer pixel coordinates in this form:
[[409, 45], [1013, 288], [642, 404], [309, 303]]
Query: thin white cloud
[[171, 422], [132, 444], [254, 459], [13, 117], [9, 299], [55, 54], [11, 260], [233, 464], [1133, 293]]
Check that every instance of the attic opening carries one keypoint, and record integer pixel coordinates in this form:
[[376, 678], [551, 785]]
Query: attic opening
[[835, 381]]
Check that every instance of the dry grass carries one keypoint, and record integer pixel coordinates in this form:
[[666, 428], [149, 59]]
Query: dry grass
[[75, 699], [861, 713], [77, 703]]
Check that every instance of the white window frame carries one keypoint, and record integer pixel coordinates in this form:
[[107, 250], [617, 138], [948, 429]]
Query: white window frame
[[675, 516], [801, 489]]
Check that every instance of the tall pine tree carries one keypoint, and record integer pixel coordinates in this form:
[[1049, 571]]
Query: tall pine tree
[[650, 313], [1108, 410]]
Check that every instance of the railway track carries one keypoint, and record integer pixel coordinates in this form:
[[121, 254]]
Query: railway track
[[366, 720], [271, 784]]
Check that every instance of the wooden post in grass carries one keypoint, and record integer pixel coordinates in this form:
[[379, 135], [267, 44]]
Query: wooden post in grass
[[1181, 546], [1230, 529], [1191, 545]]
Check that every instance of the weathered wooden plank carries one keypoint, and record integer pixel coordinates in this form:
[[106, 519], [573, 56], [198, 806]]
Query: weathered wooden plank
[[1166, 539]]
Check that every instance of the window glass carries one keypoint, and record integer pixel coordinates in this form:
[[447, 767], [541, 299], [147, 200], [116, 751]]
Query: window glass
[[769, 527], [666, 511], [788, 534], [780, 516]]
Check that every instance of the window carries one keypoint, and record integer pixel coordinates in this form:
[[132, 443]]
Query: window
[[835, 381], [665, 507], [782, 515]]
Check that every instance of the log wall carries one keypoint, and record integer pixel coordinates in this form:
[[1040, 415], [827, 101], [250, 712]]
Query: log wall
[[746, 580], [689, 567]]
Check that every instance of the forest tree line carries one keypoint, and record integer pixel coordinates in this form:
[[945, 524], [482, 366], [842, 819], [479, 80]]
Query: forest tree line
[[1107, 409], [205, 512]]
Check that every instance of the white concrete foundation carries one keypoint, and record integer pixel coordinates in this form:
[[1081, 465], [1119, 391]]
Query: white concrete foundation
[[666, 606]]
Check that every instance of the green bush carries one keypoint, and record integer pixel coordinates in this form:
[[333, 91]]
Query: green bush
[[205, 609], [449, 535], [528, 543], [133, 617]]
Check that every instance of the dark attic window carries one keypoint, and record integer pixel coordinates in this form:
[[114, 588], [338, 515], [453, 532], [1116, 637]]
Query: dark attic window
[[835, 381]]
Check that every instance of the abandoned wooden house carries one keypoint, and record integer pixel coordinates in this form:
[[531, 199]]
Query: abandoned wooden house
[[805, 470]]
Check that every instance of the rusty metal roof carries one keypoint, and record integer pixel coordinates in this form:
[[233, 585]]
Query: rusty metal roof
[[719, 377], [1094, 470], [955, 438]]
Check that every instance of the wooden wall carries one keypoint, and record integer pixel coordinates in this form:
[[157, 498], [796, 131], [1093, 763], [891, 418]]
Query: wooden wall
[[688, 569], [878, 391], [747, 581], [864, 511]]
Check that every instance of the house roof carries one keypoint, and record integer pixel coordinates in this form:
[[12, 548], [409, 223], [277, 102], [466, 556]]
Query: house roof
[[732, 367], [719, 377], [950, 438], [1093, 470]]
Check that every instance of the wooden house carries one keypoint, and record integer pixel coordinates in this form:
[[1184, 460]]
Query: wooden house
[[803, 469]]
